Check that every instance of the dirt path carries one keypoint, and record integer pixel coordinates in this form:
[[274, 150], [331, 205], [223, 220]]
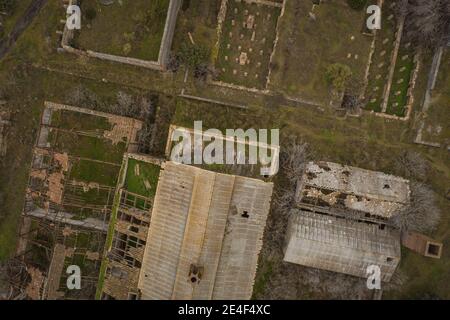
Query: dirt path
[[21, 26]]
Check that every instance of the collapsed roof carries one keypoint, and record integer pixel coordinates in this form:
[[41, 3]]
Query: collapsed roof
[[331, 185]]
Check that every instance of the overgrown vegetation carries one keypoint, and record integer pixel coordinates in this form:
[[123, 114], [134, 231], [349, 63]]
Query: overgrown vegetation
[[142, 178], [305, 51], [422, 214], [7, 5], [357, 4], [367, 142], [427, 21], [193, 55], [137, 32], [338, 75]]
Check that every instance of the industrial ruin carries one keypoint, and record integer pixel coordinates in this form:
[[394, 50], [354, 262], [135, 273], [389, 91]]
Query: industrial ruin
[[67, 206], [205, 235], [203, 240], [341, 223]]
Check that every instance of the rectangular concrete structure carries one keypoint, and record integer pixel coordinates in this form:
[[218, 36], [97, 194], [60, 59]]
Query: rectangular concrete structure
[[422, 244], [164, 49], [205, 235], [341, 245], [333, 186]]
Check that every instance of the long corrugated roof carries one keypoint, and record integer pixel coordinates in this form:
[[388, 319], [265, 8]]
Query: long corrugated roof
[[199, 221], [341, 245]]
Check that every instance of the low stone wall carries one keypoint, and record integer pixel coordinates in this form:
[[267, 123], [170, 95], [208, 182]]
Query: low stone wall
[[239, 87], [371, 53], [411, 86], [267, 3], [222, 103], [145, 158], [169, 30], [164, 51], [220, 20], [136, 62], [427, 100], [4, 124], [277, 39], [398, 40]]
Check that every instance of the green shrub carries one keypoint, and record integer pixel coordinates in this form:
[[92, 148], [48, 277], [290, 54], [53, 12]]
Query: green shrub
[[7, 5], [338, 75], [193, 55], [357, 4], [90, 14]]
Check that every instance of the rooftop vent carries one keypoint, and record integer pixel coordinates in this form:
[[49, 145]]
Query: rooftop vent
[[195, 274]]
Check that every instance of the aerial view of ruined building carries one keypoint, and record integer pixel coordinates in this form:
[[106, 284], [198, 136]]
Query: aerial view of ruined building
[[198, 238], [339, 245], [349, 191], [422, 244], [66, 210], [224, 150], [205, 235], [341, 223]]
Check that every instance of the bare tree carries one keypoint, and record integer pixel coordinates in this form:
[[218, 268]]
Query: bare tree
[[293, 159], [399, 278], [292, 281], [422, 214], [7, 6], [83, 97], [427, 21], [201, 72], [125, 103], [351, 103], [293, 156], [173, 63], [412, 165]]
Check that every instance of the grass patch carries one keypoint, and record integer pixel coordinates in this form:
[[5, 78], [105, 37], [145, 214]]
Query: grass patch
[[110, 234], [307, 47], [381, 61], [89, 171], [148, 173], [437, 121], [222, 118], [87, 146], [199, 18], [398, 96], [255, 43], [263, 275], [138, 28], [8, 236], [10, 21], [77, 121], [91, 197]]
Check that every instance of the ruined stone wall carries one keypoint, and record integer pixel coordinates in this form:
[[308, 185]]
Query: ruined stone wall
[[169, 30]]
